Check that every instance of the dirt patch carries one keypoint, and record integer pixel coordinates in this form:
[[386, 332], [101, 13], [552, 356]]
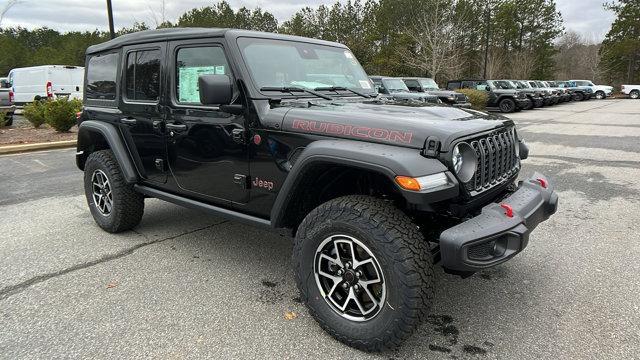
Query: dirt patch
[[15, 135]]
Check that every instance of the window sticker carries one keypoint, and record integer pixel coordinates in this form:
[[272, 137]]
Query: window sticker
[[188, 82], [365, 84]]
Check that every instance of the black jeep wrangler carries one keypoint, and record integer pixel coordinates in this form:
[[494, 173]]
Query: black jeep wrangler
[[288, 134], [429, 86], [396, 89], [501, 94]]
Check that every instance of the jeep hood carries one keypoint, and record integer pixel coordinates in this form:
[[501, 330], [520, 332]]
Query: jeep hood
[[407, 126]]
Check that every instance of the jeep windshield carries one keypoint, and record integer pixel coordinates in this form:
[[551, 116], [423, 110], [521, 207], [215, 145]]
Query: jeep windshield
[[395, 85], [280, 64], [500, 84], [429, 84]]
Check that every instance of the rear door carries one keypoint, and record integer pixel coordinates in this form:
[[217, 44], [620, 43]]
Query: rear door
[[206, 147], [142, 121]]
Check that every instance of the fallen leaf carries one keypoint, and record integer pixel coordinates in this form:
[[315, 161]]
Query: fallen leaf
[[112, 284], [290, 315]]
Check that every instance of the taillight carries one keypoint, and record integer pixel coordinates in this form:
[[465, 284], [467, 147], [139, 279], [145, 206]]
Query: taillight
[[49, 89], [10, 96], [78, 115]]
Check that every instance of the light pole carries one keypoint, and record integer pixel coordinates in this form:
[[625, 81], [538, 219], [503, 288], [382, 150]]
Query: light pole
[[486, 43], [110, 15]]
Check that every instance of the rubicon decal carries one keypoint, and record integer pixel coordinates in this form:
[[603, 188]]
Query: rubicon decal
[[363, 132], [259, 183]]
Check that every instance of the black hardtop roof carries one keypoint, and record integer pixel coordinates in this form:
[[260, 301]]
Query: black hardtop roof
[[168, 34], [416, 77]]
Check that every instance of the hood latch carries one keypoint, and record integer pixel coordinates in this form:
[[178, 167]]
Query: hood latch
[[431, 147]]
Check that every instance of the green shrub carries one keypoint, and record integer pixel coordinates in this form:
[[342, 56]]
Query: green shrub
[[60, 114], [3, 118], [477, 98], [34, 112]]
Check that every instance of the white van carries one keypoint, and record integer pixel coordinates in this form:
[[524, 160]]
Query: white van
[[46, 81]]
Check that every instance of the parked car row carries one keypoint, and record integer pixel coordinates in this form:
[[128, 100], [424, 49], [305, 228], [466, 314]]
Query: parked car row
[[418, 89], [633, 91], [6, 102], [30, 84], [515, 95]]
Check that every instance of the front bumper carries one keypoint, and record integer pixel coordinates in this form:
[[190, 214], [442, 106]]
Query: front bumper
[[464, 105], [493, 237], [523, 103]]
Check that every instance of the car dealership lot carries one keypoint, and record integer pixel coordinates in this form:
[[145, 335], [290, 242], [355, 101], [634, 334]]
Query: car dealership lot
[[184, 284]]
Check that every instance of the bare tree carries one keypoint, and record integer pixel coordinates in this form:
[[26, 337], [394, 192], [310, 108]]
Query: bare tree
[[158, 17], [522, 63], [437, 35], [6, 7]]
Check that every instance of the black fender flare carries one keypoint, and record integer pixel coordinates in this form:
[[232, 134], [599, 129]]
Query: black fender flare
[[387, 160], [112, 136]]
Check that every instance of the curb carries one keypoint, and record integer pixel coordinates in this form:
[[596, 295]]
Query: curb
[[13, 149]]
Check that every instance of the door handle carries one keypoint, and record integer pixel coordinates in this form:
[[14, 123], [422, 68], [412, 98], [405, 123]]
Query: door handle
[[176, 127], [128, 121]]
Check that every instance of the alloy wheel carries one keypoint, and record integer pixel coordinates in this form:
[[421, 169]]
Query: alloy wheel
[[349, 278], [102, 194]]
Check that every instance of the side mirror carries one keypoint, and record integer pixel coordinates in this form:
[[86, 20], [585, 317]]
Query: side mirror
[[215, 89]]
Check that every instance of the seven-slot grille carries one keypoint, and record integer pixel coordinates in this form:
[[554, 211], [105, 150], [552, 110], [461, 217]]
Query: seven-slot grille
[[497, 160]]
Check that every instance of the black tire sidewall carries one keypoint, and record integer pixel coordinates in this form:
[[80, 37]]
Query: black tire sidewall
[[104, 221], [634, 93], [319, 307], [511, 105]]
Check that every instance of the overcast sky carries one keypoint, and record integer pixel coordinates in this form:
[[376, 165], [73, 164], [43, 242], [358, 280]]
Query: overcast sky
[[584, 16]]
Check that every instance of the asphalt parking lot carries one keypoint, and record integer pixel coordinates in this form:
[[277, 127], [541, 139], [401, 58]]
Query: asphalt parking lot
[[185, 285]]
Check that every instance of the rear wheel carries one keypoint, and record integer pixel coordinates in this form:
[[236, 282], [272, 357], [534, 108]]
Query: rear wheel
[[635, 94], [507, 105], [114, 204], [364, 271]]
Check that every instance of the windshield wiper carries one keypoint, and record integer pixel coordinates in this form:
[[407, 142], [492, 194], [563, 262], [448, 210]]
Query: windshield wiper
[[342, 88], [292, 89]]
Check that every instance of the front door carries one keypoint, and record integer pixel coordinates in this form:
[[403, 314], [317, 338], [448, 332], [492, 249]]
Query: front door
[[205, 146], [142, 117]]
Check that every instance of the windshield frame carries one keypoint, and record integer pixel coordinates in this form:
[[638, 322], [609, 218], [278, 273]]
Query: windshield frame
[[427, 84], [389, 89], [492, 84], [268, 94]]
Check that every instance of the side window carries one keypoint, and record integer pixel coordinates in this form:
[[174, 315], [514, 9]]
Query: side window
[[101, 77], [453, 85], [143, 75], [412, 84], [192, 62]]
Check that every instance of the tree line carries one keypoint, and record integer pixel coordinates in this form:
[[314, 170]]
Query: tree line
[[443, 39]]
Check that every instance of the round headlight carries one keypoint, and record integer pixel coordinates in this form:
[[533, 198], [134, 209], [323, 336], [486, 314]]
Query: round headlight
[[464, 161]]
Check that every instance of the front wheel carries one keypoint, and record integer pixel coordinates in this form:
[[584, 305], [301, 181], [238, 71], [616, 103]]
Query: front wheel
[[600, 95], [578, 96], [114, 204], [507, 105], [364, 271], [635, 94]]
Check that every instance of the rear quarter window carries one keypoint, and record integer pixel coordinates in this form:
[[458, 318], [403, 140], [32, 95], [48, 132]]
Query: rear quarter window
[[102, 71]]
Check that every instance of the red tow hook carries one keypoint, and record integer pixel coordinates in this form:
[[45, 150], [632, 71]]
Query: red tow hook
[[508, 210], [542, 182]]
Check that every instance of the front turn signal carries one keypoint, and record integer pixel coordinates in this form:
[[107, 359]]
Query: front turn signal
[[408, 183]]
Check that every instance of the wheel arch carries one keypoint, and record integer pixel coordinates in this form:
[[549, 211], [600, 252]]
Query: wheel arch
[[96, 135], [343, 163]]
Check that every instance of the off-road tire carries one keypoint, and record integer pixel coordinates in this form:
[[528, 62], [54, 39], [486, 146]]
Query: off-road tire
[[507, 105], [402, 253], [635, 94], [578, 96], [600, 95], [128, 205]]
